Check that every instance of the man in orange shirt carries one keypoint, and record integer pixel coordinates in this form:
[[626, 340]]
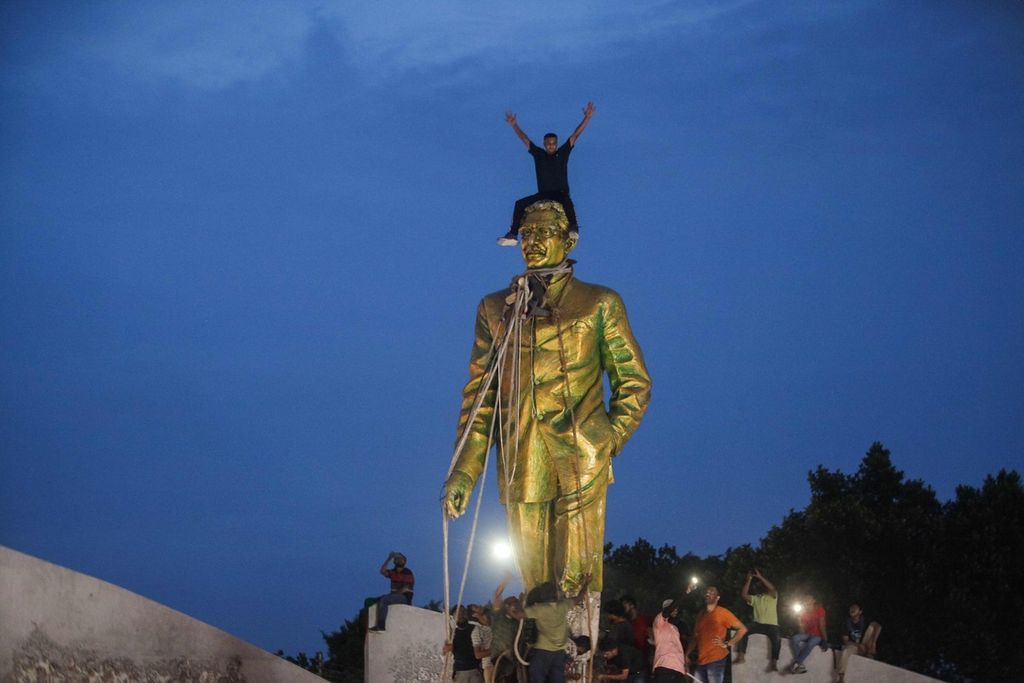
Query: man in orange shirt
[[710, 638]]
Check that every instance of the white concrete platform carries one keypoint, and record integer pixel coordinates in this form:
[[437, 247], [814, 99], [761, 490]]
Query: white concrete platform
[[409, 650], [820, 667], [59, 625]]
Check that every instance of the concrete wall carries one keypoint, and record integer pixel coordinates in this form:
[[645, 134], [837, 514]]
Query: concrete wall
[[410, 650], [820, 667], [57, 624]]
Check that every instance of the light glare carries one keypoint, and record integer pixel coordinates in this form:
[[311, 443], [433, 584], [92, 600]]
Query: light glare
[[501, 550]]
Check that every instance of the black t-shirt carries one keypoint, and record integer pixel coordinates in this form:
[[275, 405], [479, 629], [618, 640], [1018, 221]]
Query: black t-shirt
[[855, 629], [628, 658], [552, 169], [621, 633], [462, 649]]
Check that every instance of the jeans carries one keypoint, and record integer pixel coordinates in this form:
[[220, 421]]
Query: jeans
[[561, 197], [547, 666], [386, 601], [769, 630], [803, 645], [712, 672]]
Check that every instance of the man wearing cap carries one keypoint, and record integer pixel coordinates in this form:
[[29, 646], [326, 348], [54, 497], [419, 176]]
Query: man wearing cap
[[669, 658], [402, 583], [556, 438]]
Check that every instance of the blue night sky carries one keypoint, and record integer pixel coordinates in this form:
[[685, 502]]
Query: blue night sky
[[242, 246]]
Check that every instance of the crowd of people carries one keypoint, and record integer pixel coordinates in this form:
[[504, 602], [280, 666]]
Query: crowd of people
[[520, 639], [703, 651], [517, 639]]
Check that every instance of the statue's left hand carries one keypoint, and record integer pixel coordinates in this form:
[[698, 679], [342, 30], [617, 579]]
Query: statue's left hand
[[456, 493]]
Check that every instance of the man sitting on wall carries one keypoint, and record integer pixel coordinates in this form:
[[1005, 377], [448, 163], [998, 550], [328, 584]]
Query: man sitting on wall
[[402, 582]]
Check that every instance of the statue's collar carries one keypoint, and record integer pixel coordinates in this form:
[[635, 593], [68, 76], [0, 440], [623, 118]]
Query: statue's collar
[[545, 286], [555, 274]]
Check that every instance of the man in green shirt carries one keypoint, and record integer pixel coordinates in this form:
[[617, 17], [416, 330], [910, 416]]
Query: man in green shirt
[[765, 601], [551, 613]]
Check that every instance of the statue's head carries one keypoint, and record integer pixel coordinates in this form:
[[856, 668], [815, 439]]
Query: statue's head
[[544, 235]]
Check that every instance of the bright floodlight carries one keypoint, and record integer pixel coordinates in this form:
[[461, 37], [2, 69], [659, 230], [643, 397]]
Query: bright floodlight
[[797, 607], [694, 580], [501, 550]]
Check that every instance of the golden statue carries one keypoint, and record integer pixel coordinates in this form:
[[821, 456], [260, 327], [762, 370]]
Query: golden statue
[[541, 349]]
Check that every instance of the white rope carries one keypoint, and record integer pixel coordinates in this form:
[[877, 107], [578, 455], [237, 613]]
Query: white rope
[[515, 644], [493, 365], [447, 626]]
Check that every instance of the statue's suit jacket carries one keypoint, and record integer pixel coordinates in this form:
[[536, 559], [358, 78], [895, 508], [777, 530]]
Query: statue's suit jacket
[[596, 340]]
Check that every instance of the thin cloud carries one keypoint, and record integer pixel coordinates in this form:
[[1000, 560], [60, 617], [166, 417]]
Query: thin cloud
[[396, 36], [206, 45], [212, 46]]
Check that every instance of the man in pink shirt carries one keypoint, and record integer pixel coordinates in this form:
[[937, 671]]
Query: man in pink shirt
[[669, 658]]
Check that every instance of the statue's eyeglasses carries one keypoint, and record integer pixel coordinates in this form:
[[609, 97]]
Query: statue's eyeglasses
[[541, 233]]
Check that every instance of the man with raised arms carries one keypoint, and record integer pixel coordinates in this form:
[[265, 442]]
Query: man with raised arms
[[552, 167]]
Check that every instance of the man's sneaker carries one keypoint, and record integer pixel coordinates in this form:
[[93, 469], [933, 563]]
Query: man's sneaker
[[800, 669], [508, 239]]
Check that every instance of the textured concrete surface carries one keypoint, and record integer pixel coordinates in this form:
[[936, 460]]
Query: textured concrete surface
[[820, 667], [409, 650], [57, 624]]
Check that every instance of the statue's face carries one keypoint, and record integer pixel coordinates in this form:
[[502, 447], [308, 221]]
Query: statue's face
[[543, 243]]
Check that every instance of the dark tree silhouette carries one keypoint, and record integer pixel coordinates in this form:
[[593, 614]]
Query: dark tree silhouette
[[943, 580]]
